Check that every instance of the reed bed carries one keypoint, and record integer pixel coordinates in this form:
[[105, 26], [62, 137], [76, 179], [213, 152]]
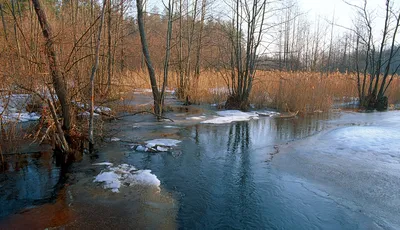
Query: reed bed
[[286, 91]]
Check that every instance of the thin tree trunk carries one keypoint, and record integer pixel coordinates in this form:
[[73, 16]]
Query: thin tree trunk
[[4, 22], [94, 69], [167, 48], [60, 131], [122, 36], [58, 82], [181, 75], [199, 44], [146, 54], [109, 53]]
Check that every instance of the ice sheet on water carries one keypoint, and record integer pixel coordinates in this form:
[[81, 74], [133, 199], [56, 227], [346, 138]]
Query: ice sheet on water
[[363, 143], [267, 113], [170, 127], [125, 175], [196, 118], [16, 108], [20, 117], [229, 116], [162, 143], [104, 163]]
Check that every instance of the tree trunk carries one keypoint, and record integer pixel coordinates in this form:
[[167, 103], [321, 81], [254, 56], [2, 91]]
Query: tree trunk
[[109, 53], [4, 22], [57, 78], [94, 69], [199, 44], [156, 94]]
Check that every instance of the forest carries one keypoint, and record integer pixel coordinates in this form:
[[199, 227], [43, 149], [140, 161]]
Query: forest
[[71, 55]]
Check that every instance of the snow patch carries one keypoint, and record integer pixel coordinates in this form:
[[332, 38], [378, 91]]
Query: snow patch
[[267, 113], [97, 109], [110, 180], [155, 146], [162, 142], [20, 117], [103, 163], [196, 118], [114, 139], [125, 175], [13, 108], [87, 114], [162, 149], [170, 127], [229, 116], [140, 148]]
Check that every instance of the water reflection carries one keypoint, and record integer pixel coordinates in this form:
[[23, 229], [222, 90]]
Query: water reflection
[[238, 136], [222, 182], [27, 179]]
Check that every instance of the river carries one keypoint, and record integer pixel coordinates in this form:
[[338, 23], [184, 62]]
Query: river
[[321, 171]]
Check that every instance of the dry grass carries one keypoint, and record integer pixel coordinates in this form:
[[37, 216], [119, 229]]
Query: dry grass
[[286, 91]]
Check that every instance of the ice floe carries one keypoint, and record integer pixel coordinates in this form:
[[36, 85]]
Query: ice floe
[[162, 143], [140, 148], [114, 139], [267, 113], [104, 163], [156, 145], [125, 175], [229, 116], [97, 109]]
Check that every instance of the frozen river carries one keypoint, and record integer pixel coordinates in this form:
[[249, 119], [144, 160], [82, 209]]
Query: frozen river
[[338, 171]]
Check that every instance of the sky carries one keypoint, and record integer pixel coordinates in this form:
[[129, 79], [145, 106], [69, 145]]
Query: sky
[[323, 10], [314, 8], [343, 12]]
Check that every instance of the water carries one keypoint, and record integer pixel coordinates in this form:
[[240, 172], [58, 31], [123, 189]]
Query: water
[[316, 172], [27, 180], [225, 179]]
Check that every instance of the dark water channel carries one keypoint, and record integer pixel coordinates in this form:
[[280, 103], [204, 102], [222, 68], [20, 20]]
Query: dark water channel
[[298, 173], [27, 180]]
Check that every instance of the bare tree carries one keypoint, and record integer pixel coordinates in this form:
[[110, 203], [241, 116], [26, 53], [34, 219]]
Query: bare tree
[[3, 22], [93, 73], [158, 94], [371, 61], [57, 77], [109, 53], [199, 41], [252, 15]]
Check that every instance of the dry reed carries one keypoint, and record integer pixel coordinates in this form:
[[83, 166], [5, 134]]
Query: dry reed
[[286, 91]]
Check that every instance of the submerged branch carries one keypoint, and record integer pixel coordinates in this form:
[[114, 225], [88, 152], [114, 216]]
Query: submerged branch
[[141, 112]]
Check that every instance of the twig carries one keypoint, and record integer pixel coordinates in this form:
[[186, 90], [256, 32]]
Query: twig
[[45, 134], [60, 135], [140, 112]]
